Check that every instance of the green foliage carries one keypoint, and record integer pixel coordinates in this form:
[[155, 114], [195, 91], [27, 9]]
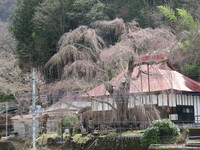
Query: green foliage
[[191, 70], [183, 21], [6, 97], [168, 12], [166, 128], [186, 21], [175, 3], [151, 136], [185, 45], [137, 11], [39, 24], [182, 18], [86, 11], [79, 138], [44, 137], [50, 23], [142, 11], [157, 130], [70, 121], [22, 29], [110, 11]]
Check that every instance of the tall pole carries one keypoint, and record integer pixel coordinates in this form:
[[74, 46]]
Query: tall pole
[[150, 100], [33, 107], [62, 132], [6, 119]]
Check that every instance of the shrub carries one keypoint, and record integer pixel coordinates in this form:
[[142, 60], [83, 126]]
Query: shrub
[[191, 70], [159, 129], [6, 97], [69, 122], [151, 136], [166, 128]]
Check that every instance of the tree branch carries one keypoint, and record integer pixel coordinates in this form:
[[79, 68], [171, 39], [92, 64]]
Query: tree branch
[[150, 62]]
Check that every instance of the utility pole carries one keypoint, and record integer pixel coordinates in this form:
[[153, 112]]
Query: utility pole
[[6, 120], [62, 133], [33, 107]]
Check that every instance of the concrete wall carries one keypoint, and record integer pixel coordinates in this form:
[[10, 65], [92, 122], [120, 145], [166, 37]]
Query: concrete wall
[[24, 128]]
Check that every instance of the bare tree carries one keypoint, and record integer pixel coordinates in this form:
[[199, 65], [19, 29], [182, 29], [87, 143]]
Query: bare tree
[[85, 59], [121, 93], [7, 42]]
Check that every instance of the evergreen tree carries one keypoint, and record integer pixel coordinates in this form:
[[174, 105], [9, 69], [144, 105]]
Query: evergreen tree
[[39, 24], [22, 29]]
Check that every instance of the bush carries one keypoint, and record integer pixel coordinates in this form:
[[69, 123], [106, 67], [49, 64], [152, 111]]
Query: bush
[[6, 97], [151, 136], [191, 70], [166, 128], [157, 131], [70, 121]]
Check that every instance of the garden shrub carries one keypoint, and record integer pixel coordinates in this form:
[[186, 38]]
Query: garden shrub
[[157, 131], [191, 70], [70, 121]]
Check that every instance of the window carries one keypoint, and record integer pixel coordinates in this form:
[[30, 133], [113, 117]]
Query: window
[[187, 110], [173, 116]]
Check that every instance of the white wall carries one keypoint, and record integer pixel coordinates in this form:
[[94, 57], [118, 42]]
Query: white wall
[[172, 100], [197, 109], [24, 128], [162, 100]]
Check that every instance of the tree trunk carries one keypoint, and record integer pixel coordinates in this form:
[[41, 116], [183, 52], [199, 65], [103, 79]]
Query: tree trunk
[[122, 100]]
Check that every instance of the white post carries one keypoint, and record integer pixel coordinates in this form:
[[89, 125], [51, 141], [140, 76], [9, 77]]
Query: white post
[[33, 107], [6, 120]]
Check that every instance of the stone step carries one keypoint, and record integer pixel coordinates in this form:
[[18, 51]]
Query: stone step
[[193, 142], [194, 132], [193, 145], [194, 137], [171, 147]]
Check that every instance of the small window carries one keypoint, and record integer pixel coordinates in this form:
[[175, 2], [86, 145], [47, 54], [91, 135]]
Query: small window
[[187, 110], [173, 116]]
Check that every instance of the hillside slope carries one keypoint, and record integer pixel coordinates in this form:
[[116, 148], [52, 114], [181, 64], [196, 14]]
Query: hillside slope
[[12, 79]]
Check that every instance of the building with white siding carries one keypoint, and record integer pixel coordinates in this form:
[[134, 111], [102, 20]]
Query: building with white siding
[[161, 86]]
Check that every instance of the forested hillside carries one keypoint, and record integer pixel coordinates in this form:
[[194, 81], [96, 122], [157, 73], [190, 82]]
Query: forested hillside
[[77, 44]]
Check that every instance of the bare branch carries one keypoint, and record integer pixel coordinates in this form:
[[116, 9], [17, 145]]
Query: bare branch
[[150, 62], [131, 67]]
